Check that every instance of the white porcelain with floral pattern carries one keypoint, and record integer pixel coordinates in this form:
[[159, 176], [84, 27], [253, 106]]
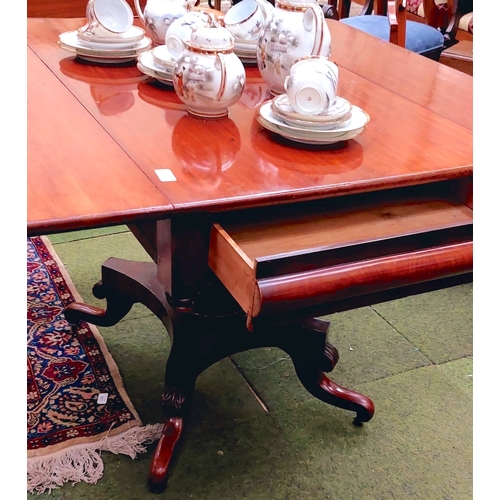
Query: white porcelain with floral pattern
[[158, 15], [245, 19], [349, 129], [339, 112], [107, 20], [179, 32], [208, 75], [126, 39], [296, 28], [102, 53], [311, 86]]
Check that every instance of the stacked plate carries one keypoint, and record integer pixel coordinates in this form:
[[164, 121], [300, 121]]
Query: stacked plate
[[344, 121], [246, 51], [157, 63], [110, 50]]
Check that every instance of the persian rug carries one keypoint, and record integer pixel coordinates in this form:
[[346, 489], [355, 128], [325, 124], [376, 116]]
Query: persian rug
[[77, 405]]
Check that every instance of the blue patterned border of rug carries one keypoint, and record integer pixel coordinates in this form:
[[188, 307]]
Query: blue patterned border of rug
[[76, 400]]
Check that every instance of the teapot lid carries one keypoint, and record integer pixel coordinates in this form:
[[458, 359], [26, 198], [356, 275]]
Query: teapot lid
[[212, 38]]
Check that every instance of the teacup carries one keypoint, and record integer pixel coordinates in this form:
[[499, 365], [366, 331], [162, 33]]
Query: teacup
[[106, 19], [179, 32], [212, 40], [312, 85], [245, 19], [162, 57]]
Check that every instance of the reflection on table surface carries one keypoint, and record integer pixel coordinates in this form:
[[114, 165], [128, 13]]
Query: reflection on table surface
[[206, 157], [111, 91]]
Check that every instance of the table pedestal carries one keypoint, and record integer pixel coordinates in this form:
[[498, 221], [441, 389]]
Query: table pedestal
[[203, 331]]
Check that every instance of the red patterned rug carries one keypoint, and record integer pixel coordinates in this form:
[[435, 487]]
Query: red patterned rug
[[77, 405]]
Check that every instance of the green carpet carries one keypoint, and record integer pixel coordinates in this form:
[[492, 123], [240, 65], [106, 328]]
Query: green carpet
[[412, 356]]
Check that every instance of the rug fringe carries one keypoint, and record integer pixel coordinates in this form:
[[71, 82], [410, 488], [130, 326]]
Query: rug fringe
[[84, 462]]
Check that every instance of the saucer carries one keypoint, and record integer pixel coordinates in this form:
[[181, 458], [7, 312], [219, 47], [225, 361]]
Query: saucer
[[106, 54], [359, 119], [153, 74], [147, 65], [246, 56], [133, 34], [305, 140], [250, 51], [162, 57], [340, 112], [245, 48], [345, 131], [106, 46], [247, 60], [245, 44]]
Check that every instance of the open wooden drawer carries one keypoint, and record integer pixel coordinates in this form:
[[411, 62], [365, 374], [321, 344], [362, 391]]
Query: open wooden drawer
[[279, 259]]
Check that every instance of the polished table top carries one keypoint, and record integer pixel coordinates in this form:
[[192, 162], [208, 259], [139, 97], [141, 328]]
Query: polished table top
[[97, 135]]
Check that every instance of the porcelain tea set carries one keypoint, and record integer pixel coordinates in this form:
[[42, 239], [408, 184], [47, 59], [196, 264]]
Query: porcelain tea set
[[201, 53], [158, 15], [109, 35], [159, 61], [245, 20], [310, 112]]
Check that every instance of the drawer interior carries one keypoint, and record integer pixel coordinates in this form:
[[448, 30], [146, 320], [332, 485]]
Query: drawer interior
[[274, 242]]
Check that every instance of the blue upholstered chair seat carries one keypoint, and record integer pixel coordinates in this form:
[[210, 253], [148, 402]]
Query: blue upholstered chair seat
[[420, 37]]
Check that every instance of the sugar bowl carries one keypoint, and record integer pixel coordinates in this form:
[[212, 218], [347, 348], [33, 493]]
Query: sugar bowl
[[208, 76]]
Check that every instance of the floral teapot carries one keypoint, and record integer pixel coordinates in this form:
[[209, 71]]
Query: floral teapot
[[296, 29], [158, 15]]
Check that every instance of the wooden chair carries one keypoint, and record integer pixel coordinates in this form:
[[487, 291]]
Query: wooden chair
[[386, 19]]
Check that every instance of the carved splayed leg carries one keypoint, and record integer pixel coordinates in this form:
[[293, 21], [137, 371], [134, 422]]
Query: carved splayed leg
[[330, 358], [181, 371], [311, 373], [174, 403], [123, 284], [334, 394], [117, 306], [171, 433]]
